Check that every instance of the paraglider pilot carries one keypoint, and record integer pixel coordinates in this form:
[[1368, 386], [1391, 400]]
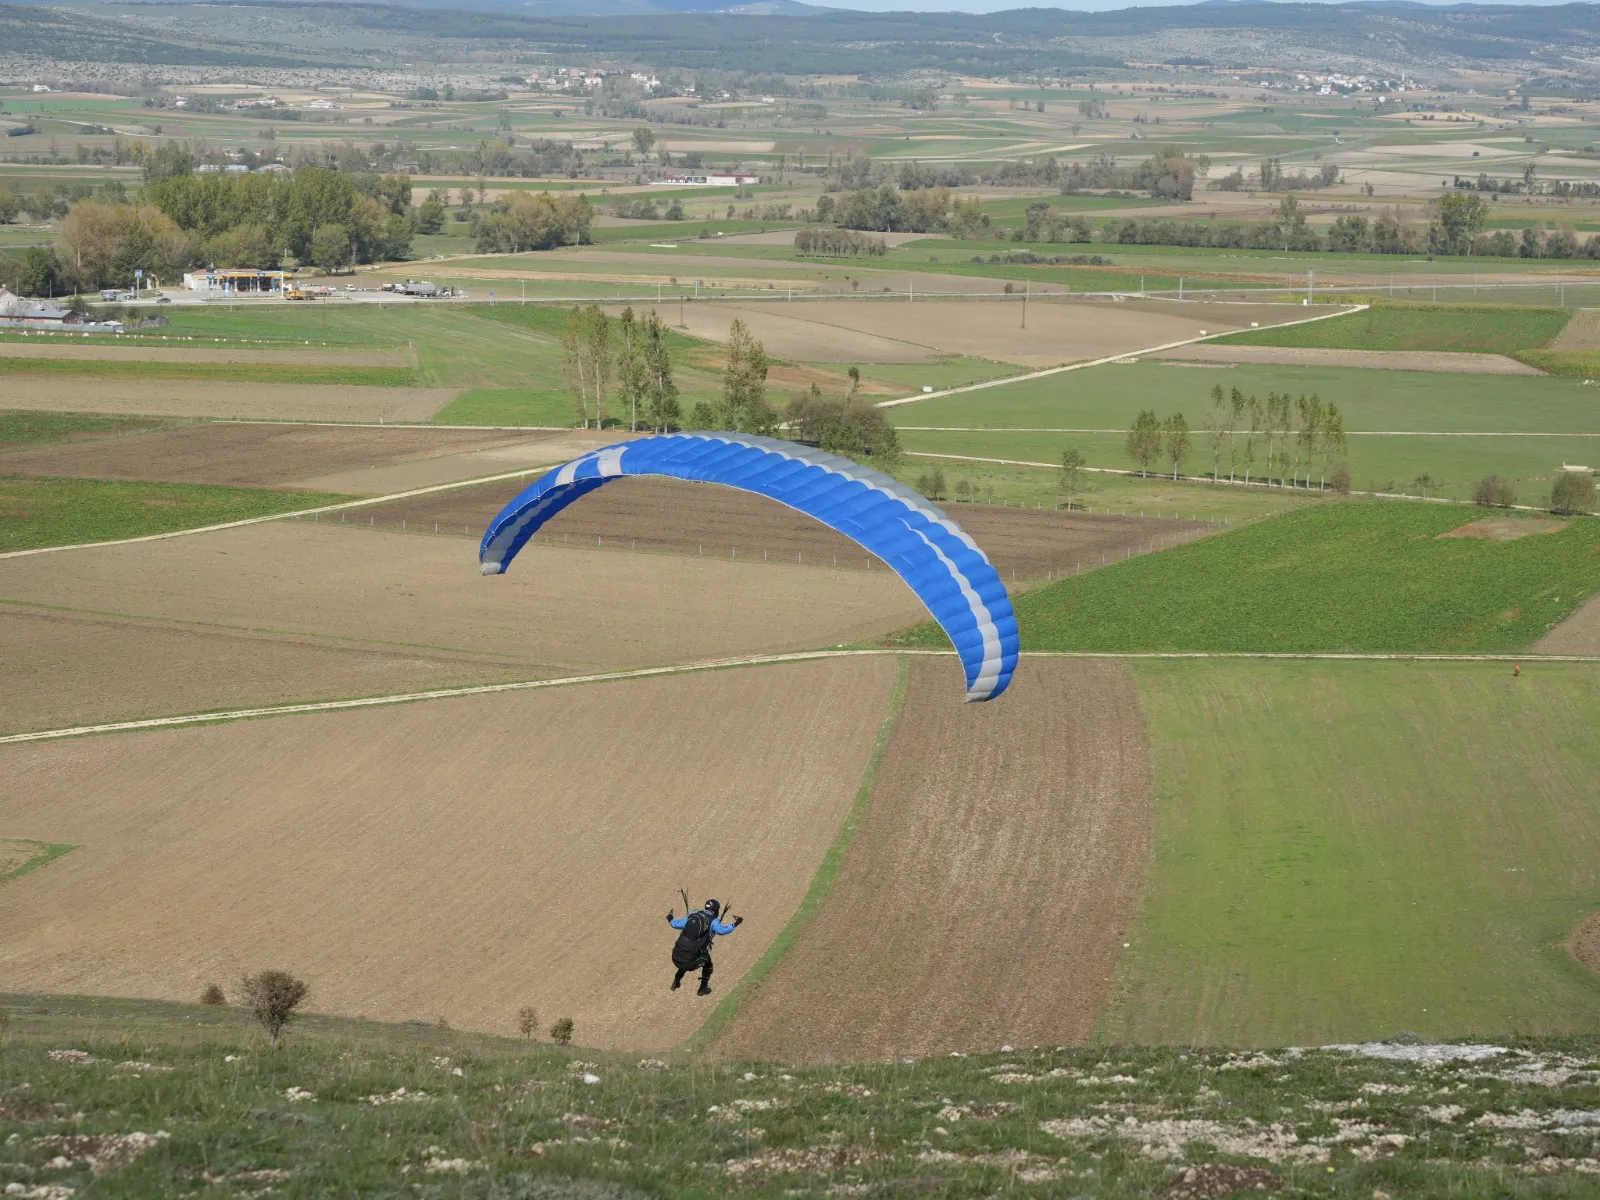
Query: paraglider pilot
[[692, 952]]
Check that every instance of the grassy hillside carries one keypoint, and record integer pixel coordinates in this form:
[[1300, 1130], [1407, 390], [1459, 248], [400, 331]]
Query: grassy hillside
[[1358, 576], [1346, 850], [349, 1108], [1461, 327], [62, 512]]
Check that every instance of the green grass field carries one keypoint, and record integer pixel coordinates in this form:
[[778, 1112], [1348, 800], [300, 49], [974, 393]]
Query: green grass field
[[19, 427], [1343, 851], [1458, 327], [325, 1115], [63, 512], [508, 406], [220, 372], [1402, 424], [1353, 576]]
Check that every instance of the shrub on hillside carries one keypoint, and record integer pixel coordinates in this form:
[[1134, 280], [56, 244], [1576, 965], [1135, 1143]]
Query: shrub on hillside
[[212, 995], [527, 1022], [272, 997], [561, 1032], [1573, 492], [1494, 492]]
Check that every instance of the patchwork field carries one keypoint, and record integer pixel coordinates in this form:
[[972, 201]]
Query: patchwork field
[[151, 351], [268, 455], [1447, 361], [667, 514], [569, 610], [413, 860], [250, 401], [1345, 851], [1056, 332], [987, 894], [70, 668]]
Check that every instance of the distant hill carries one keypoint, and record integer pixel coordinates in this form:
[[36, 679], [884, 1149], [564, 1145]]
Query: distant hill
[[784, 35]]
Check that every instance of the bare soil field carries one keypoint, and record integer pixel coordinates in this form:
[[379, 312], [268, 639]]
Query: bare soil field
[[457, 858], [1578, 634], [516, 452], [987, 895], [64, 669], [692, 518], [1381, 360], [1585, 942], [573, 610], [1057, 332], [1505, 529], [257, 455], [1582, 332], [250, 401], [152, 350]]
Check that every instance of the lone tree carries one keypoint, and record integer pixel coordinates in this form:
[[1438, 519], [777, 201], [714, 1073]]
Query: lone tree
[[272, 997], [1573, 492], [527, 1022], [1175, 432], [1494, 492], [1144, 440], [561, 1032], [1072, 466]]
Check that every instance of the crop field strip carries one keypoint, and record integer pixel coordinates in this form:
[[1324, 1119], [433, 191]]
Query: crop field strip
[[446, 813]]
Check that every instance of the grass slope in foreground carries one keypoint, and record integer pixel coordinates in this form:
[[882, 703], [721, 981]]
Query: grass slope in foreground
[[325, 1116], [64, 512], [1355, 575], [1477, 328], [1346, 850]]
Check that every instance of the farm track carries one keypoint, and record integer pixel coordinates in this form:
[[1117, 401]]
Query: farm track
[[667, 514], [987, 895], [458, 860]]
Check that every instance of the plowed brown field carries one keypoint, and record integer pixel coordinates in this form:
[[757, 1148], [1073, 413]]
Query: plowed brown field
[[1378, 360], [1578, 634], [987, 895], [262, 455], [898, 331], [458, 859], [693, 518], [558, 611], [252, 401], [64, 669]]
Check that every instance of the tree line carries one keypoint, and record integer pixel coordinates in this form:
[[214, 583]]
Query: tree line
[[624, 362], [838, 243], [1290, 437]]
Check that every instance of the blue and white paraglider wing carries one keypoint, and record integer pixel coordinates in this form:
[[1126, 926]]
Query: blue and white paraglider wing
[[929, 551]]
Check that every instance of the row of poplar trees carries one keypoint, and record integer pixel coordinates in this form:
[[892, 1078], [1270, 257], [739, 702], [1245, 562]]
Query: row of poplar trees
[[1289, 436], [624, 362]]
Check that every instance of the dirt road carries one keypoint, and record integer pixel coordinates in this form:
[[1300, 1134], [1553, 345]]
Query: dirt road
[[666, 514], [258, 455], [202, 398], [987, 895], [457, 859]]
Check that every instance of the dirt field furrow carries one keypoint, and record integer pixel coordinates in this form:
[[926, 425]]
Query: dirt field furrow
[[987, 896], [1578, 634], [1381, 360], [908, 331], [573, 610], [250, 401], [666, 514], [458, 858], [64, 669], [258, 455], [152, 350]]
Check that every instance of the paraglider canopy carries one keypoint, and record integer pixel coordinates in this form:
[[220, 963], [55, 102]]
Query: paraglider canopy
[[929, 551]]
